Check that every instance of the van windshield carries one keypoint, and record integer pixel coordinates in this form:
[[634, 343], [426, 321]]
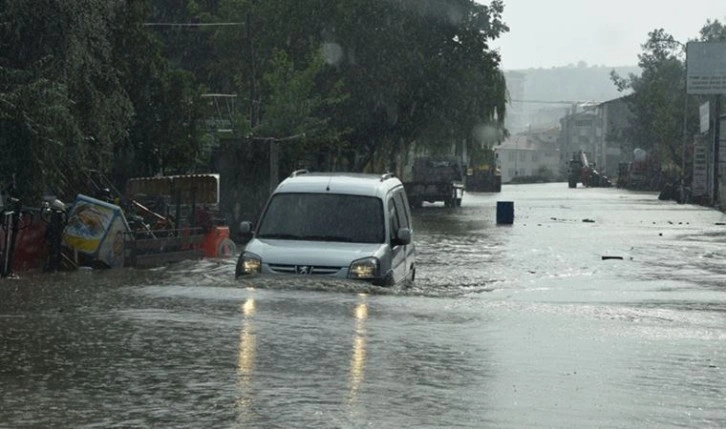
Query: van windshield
[[324, 217]]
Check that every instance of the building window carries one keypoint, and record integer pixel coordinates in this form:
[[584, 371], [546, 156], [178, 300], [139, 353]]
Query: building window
[[535, 157], [583, 123], [512, 156], [522, 156]]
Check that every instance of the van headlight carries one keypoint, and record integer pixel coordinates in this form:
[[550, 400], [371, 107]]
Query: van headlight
[[366, 268], [248, 263]]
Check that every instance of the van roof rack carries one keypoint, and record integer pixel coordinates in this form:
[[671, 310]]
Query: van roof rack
[[386, 176], [299, 172]]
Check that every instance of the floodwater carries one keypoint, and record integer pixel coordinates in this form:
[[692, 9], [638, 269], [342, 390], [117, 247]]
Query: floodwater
[[521, 326]]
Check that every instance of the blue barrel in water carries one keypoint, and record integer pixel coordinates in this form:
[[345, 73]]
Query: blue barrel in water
[[505, 212]]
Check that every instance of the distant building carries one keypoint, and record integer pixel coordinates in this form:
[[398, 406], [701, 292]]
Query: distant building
[[615, 116], [528, 153], [580, 131], [598, 130], [516, 118]]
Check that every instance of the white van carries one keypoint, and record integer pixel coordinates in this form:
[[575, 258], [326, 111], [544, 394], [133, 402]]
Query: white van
[[342, 225]]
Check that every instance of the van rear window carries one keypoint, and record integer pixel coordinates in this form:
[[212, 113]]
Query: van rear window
[[323, 217]]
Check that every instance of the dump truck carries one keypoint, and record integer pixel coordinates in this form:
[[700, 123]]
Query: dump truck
[[435, 179]]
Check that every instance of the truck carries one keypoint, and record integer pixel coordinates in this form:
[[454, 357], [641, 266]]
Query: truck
[[642, 173], [435, 179], [579, 170], [484, 178], [483, 173]]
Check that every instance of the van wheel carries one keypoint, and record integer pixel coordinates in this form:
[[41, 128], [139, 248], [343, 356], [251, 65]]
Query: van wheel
[[238, 268], [388, 280]]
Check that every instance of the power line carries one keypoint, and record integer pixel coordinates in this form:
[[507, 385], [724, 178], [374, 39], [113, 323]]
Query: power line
[[192, 24], [554, 102]]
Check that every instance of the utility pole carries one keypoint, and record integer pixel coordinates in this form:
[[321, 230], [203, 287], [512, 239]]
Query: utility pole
[[255, 105], [717, 154], [682, 198], [255, 102]]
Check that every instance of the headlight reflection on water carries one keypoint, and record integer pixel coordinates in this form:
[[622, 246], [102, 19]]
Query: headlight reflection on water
[[246, 356], [358, 357]]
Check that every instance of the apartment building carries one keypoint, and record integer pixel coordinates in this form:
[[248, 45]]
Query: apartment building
[[598, 130]]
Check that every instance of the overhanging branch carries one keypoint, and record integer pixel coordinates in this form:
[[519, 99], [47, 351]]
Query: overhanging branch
[[277, 139]]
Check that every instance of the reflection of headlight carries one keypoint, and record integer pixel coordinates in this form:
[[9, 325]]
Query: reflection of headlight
[[249, 263], [363, 269]]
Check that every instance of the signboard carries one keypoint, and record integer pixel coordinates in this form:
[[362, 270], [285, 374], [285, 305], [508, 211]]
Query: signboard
[[706, 68], [700, 169], [97, 229], [705, 114]]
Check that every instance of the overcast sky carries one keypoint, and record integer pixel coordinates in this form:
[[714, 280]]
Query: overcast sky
[[550, 33]]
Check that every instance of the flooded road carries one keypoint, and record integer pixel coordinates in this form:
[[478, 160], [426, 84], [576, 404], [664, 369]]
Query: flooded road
[[521, 326]]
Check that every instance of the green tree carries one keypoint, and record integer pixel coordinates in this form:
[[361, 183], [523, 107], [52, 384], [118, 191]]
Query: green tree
[[167, 132], [657, 97], [416, 71], [289, 113], [62, 105], [394, 72], [713, 31]]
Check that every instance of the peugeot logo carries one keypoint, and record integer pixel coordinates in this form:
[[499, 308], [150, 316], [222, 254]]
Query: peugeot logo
[[303, 269]]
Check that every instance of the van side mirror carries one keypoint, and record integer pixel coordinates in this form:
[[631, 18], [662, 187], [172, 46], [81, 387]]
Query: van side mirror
[[403, 237], [245, 227], [245, 231]]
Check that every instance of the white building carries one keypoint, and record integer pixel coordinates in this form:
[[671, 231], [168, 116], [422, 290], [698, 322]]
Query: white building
[[529, 154]]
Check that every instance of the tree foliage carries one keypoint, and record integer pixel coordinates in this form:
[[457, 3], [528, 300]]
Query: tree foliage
[[658, 102], [713, 31], [117, 86], [62, 102], [394, 72], [83, 86], [165, 134]]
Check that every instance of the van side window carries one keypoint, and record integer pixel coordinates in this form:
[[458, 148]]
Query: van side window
[[402, 209], [394, 221]]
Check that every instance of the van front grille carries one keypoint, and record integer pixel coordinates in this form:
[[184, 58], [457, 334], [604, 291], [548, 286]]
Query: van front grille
[[304, 270]]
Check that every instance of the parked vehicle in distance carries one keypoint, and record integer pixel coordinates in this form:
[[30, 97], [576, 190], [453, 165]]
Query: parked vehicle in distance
[[340, 225], [579, 170], [484, 173], [436, 178], [484, 178]]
